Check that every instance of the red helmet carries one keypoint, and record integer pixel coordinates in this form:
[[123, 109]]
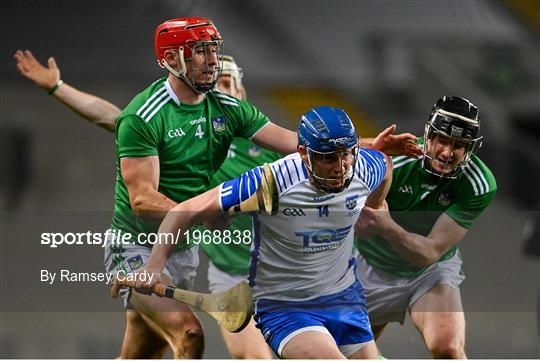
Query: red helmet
[[183, 32]]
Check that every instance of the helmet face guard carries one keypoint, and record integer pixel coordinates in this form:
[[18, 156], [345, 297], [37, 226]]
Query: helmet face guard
[[460, 131], [198, 49], [339, 156], [329, 137]]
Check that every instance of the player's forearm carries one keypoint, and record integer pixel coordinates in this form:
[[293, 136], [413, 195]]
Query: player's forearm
[[152, 205], [413, 247], [90, 107]]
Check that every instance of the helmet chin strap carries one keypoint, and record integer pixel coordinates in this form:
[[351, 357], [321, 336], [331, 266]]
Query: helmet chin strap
[[183, 71]]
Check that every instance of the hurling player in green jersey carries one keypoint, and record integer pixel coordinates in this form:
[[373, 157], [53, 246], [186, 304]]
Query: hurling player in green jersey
[[229, 264], [410, 261]]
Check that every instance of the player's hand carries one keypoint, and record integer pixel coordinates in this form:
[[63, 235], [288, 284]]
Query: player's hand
[[147, 278], [373, 221], [400, 144], [32, 69]]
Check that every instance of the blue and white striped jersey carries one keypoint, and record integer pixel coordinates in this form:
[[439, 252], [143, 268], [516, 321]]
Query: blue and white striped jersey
[[305, 250]]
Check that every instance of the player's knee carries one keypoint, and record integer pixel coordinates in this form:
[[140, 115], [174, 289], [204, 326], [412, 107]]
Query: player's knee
[[188, 340], [448, 348]]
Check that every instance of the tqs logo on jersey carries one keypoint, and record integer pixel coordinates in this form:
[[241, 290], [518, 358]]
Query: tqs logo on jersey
[[406, 188], [219, 124], [444, 199], [294, 212], [174, 133], [323, 239], [350, 202]]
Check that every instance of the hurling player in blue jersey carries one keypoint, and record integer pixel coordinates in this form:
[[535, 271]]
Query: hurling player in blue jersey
[[308, 300]]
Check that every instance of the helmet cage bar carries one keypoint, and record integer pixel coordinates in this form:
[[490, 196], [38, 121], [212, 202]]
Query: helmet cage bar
[[471, 147], [182, 72], [345, 179]]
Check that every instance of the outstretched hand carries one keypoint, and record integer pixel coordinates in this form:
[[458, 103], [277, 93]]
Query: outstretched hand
[[32, 69], [400, 144]]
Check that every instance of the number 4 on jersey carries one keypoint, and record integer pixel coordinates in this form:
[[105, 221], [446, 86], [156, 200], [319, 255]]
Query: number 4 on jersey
[[199, 132]]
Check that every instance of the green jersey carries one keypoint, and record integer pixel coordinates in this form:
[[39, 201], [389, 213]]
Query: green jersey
[[243, 155], [416, 200], [191, 140]]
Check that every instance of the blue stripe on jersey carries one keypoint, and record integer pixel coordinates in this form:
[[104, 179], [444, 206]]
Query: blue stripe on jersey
[[255, 250], [282, 176], [277, 178], [235, 191], [288, 171], [296, 169], [371, 167], [304, 170]]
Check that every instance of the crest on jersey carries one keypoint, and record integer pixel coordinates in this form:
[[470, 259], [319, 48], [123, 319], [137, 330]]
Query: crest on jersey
[[219, 124], [444, 199], [350, 202], [254, 151], [135, 262]]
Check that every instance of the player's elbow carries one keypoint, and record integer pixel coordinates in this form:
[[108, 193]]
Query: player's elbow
[[139, 205], [427, 258]]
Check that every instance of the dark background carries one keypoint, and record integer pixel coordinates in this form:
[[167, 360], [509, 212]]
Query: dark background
[[383, 61]]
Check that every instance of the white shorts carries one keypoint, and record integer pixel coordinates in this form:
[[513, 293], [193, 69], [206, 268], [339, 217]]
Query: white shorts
[[181, 266], [219, 281], [389, 297]]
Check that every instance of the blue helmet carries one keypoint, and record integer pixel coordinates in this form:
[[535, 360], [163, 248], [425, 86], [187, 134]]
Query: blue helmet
[[327, 130]]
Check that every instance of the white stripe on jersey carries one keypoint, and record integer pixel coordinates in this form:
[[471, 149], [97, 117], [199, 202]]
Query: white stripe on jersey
[[157, 108], [406, 162], [149, 100], [482, 178], [228, 103], [225, 97]]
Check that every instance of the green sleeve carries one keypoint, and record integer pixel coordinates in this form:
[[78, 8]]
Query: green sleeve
[[249, 120], [465, 212], [135, 138]]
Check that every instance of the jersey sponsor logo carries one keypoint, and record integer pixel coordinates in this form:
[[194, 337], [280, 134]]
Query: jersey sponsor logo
[[219, 124], [198, 121], [406, 188], [323, 239], [444, 199], [294, 212], [350, 202], [429, 186], [324, 198], [174, 133]]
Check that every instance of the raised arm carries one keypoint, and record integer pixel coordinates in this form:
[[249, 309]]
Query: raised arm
[[92, 108]]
